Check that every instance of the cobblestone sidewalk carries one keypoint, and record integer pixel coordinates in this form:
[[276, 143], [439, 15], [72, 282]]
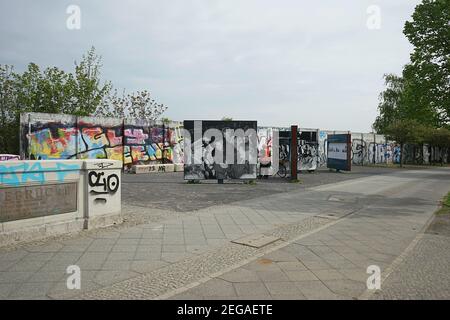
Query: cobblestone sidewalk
[[328, 236], [332, 263]]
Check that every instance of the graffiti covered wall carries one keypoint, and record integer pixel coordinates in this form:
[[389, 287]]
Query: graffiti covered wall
[[99, 138], [57, 136], [9, 157], [370, 148], [48, 136], [268, 151], [308, 150], [144, 141], [220, 149], [54, 136]]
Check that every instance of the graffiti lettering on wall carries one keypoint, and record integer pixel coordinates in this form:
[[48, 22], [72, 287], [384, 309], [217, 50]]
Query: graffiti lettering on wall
[[72, 138], [152, 168], [16, 175], [48, 136], [99, 139], [142, 146], [322, 149], [151, 143], [220, 150], [102, 184], [366, 152], [9, 157], [359, 150], [366, 148], [307, 148], [307, 156], [307, 151], [268, 151]]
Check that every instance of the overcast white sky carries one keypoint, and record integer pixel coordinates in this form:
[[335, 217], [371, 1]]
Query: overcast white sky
[[311, 63]]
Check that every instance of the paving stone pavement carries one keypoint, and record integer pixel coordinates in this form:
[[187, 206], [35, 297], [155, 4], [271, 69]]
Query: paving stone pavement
[[424, 273], [332, 263], [370, 221]]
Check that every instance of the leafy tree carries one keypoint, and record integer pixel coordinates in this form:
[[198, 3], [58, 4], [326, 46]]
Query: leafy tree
[[421, 134], [139, 105], [422, 92], [390, 102], [47, 91], [55, 91], [114, 106], [403, 131], [227, 119], [143, 106], [165, 120], [439, 138], [415, 102], [9, 140], [88, 94], [429, 33]]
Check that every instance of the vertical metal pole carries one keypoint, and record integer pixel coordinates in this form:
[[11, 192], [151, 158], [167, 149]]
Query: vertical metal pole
[[363, 149], [29, 137], [123, 144], [317, 149], [385, 150], [77, 141], [163, 142], [376, 148], [294, 155], [349, 151]]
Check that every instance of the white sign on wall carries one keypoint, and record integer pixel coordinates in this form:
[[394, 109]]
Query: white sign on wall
[[337, 151]]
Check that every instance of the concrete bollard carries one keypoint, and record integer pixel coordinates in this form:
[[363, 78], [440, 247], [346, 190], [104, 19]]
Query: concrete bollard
[[102, 193]]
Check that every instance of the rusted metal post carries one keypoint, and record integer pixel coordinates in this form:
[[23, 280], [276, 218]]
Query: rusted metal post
[[349, 151], [294, 154]]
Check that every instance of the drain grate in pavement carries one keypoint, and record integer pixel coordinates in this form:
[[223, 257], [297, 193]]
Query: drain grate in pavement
[[256, 240]]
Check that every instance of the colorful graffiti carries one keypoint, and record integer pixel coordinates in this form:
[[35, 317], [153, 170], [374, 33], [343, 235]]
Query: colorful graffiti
[[49, 136], [150, 142], [268, 153], [56, 136], [144, 142], [79, 140], [18, 174], [99, 138]]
